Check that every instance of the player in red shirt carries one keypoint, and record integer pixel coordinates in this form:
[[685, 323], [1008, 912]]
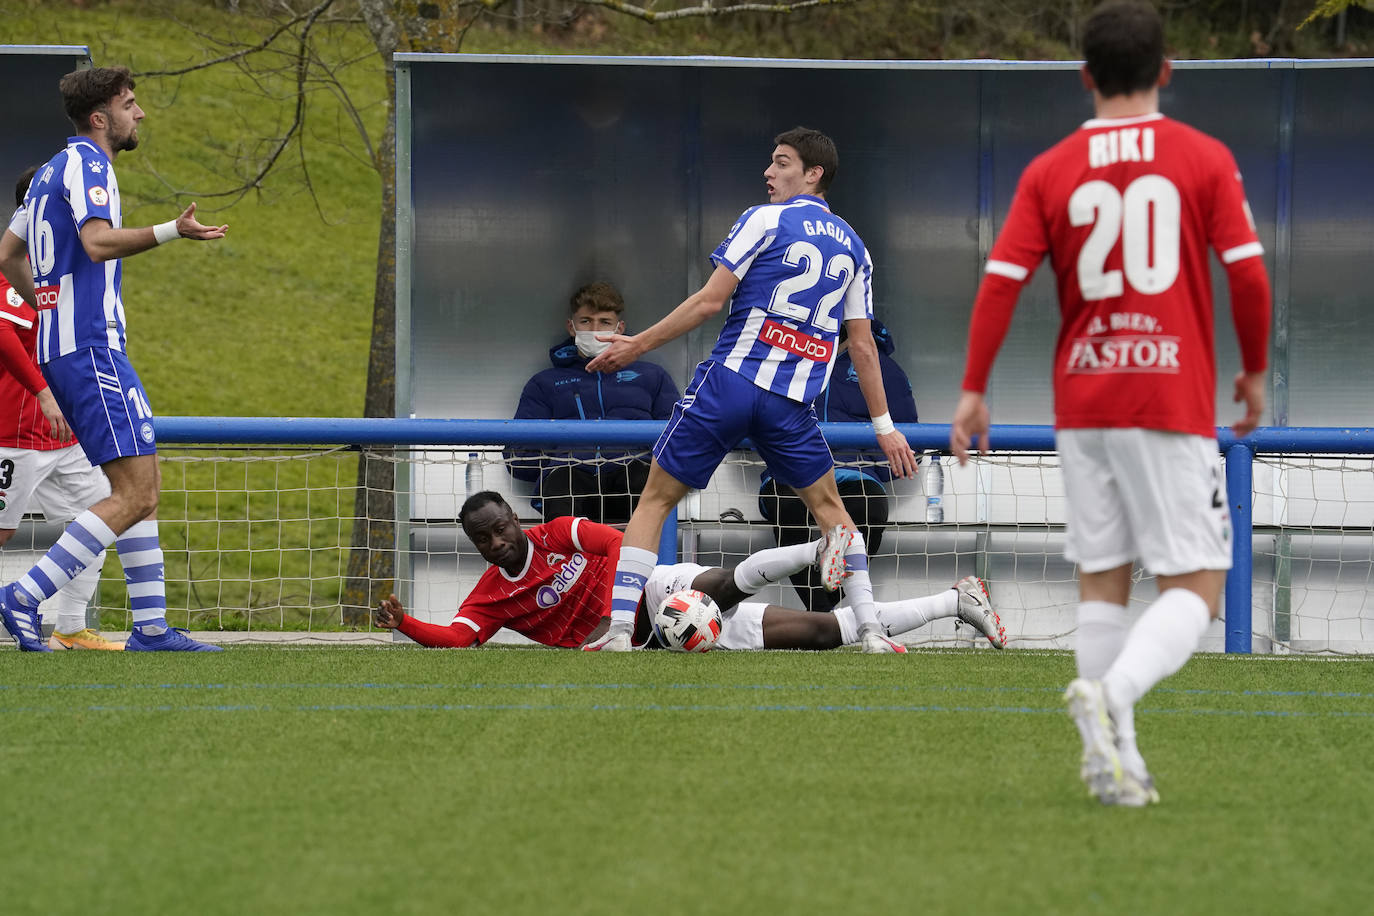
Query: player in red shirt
[[1126, 207], [548, 582], [40, 463]]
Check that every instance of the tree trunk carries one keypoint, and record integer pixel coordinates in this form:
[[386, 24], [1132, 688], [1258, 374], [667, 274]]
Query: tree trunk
[[372, 560]]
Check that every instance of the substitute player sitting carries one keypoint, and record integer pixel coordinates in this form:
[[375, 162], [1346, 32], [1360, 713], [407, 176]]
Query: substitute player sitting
[[791, 271], [1126, 207], [548, 583]]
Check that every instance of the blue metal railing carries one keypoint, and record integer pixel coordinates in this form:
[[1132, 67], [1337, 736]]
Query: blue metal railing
[[1239, 456]]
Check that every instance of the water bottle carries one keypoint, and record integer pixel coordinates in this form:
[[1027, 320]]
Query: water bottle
[[474, 479], [934, 488]]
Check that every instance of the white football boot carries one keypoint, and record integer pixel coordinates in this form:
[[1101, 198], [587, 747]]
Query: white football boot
[[1101, 765], [975, 608], [617, 638], [830, 556]]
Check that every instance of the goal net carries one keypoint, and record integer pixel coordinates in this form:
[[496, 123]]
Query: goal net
[[263, 539]]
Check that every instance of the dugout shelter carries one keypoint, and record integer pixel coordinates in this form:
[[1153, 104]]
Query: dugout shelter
[[522, 177], [519, 178]]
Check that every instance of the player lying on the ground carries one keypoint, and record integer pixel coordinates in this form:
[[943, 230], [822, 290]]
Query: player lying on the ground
[[550, 583]]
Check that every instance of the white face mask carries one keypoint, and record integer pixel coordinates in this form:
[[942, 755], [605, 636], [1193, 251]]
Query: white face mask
[[588, 345]]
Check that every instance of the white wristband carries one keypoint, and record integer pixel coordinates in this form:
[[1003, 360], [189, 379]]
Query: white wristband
[[165, 232], [882, 424]]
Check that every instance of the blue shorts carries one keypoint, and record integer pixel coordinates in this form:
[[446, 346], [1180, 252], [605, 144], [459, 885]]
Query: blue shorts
[[719, 410], [104, 402]]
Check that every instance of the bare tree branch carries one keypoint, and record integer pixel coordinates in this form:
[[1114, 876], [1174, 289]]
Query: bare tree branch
[[707, 8], [308, 16]]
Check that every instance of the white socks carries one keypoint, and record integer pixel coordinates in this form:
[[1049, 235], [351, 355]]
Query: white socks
[[910, 613], [767, 567], [632, 570], [849, 630], [858, 587], [72, 600], [899, 616], [1166, 635], [1102, 629]]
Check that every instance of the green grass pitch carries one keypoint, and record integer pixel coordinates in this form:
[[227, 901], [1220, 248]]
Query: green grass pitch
[[513, 781]]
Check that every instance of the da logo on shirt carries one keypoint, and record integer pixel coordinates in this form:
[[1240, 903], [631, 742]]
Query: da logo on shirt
[[98, 196]]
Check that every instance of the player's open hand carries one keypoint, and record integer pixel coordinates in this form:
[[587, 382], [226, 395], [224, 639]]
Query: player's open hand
[[971, 420], [1250, 388], [618, 355], [190, 228], [900, 457], [389, 613], [53, 414]]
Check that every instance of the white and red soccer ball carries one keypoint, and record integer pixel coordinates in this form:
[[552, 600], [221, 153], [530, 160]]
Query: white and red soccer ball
[[688, 621]]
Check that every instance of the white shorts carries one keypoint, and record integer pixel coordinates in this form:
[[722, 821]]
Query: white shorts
[[60, 483], [742, 625], [1144, 495]]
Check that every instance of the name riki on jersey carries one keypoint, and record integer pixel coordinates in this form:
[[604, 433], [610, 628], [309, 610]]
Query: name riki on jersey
[[1129, 144]]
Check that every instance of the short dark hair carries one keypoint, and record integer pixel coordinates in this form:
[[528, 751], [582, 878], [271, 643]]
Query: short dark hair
[[815, 148], [599, 297], [477, 501], [1123, 47], [21, 188], [88, 91]]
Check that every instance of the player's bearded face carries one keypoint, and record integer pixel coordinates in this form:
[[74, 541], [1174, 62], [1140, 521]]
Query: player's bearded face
[[123, 115]]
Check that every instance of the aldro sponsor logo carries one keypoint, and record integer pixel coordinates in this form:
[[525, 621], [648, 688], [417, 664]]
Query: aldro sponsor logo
[[564, 579]]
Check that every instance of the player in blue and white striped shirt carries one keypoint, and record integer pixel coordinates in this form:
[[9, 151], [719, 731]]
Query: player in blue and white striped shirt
[[791, 271], [75, 239]]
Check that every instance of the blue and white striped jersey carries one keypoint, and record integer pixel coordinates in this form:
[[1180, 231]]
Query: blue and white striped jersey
[[802, 272], [79, 300]]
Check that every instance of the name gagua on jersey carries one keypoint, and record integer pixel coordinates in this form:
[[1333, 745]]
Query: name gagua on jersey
[[825, 227]]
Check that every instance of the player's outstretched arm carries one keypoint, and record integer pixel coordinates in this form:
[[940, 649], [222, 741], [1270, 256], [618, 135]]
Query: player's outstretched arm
[[971, 420], [864, 354], [390, 615], [103, 242], [691, 313]]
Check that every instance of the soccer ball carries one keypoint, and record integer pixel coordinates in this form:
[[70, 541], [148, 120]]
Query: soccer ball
[[688, 621]]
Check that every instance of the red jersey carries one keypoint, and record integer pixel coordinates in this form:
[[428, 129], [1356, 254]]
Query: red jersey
[[22, 424], [557, 599], [1126, 208]]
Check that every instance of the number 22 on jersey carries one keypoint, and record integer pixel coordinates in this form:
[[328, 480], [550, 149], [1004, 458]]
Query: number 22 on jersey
[[1146, 220], [839, 268]]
